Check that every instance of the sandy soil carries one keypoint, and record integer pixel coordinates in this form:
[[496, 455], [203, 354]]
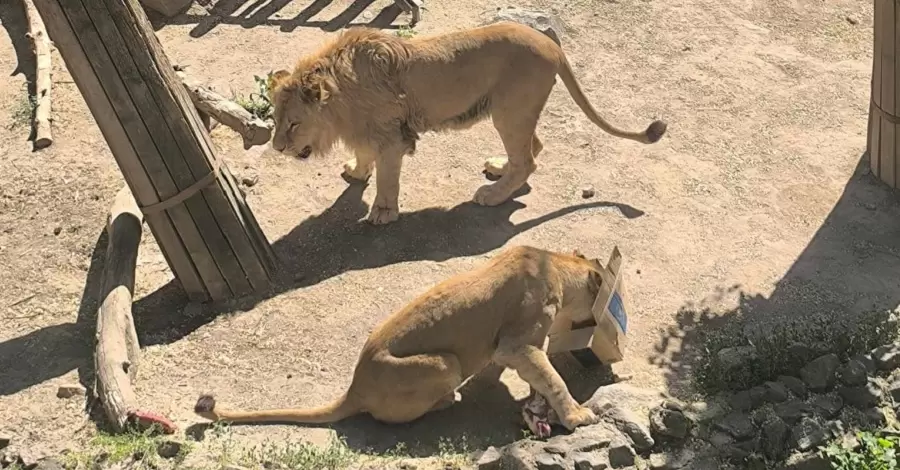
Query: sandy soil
[[754, 203]]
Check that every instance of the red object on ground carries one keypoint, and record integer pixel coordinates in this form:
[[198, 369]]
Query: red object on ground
[[146, 419]]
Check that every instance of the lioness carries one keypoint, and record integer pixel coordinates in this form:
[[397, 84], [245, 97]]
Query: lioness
[[376, 92], [415, 360]]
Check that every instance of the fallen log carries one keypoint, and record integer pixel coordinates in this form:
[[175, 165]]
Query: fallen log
[[253, 131], [118, 350], [40, 45]]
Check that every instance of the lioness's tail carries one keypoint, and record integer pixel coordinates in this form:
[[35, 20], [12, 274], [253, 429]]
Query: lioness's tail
[[653, 133], [336, 411]]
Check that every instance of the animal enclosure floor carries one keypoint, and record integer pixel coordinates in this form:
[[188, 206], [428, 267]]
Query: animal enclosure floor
[[753, 186]]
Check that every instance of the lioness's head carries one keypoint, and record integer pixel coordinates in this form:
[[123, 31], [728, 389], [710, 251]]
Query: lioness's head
[[299, 102]]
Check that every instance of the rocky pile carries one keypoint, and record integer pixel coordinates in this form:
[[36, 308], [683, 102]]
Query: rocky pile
[[779, 424]]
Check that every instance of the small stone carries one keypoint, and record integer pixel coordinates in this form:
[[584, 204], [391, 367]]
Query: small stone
[[875, 417], [671, 461], [586, 461], [627, 422], [776, 392], [621, 454], [853, 373], [736, 357], [819, 375], [774, 438], [69, 391], [665, 423], [588, 192], [57, 230], [852, 20], [792, 411], [720, 439], [867, 361], [808, 434], [489, 459], [168, 449], [49, 464], [547, 461], [748, 399], [887, 357], [811, 461], [795, 385], [761, 415], [862, 397], [828, 406], [5, 439], [250, 181], [737, 424]]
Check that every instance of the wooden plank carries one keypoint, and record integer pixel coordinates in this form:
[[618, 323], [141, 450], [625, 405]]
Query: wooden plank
[[101, 107], [895, 109], [113, 83], [875, 149], [888, 85], [191, 136]]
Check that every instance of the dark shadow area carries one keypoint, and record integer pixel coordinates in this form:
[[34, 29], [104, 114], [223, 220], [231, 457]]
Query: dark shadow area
[[253, 13], [839, 291], [53, 351], [320, 247], [14, 21]]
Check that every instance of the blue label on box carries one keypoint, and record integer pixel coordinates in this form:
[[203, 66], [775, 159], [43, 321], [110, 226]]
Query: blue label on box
[[617, 309]]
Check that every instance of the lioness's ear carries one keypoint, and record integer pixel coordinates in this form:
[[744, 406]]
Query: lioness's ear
[[277, 78], [317, 86], [596, 279]]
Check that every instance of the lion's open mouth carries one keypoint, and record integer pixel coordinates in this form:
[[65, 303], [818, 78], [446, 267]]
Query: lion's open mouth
[[305, 152]]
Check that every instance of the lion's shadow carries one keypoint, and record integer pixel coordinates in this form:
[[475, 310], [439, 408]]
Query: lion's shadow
[[337, 241]]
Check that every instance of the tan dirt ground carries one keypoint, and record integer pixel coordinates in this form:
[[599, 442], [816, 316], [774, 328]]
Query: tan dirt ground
[[766, 102]]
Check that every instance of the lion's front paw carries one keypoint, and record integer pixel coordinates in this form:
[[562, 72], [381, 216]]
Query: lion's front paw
[[489, 195], [581, 416], [352, 170], [383, 215], [495, 167]]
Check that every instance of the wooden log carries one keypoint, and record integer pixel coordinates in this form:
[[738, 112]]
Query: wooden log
[[253, 131], [884, 108], [117, 350], [190, 200], [40, 45]]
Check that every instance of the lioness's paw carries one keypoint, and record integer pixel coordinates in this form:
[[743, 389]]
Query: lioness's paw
[[489, 195], [496, 166], [352, 170], [383, 215], [581, 416]]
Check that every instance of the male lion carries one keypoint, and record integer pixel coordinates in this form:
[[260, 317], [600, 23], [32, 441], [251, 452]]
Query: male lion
[[415, 360], [376, 92]]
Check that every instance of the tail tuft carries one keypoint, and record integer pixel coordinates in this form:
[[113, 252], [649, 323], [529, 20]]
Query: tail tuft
[[655, 131], [205, 404]]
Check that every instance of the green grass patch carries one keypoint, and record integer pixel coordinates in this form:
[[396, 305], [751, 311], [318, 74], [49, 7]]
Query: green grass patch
[[876, 451], [139, 449], [257, 103]]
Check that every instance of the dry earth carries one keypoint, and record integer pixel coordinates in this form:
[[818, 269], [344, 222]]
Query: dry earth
[[758, 184]]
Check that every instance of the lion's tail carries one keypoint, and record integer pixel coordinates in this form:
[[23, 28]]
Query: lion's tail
[[335, 411], [653, 133]]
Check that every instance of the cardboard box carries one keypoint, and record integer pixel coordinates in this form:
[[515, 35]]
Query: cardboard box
[[605, 334]]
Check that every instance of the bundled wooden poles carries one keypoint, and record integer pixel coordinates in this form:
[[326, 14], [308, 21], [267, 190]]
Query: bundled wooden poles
[[884, 109], [190, 200], [40, 45]]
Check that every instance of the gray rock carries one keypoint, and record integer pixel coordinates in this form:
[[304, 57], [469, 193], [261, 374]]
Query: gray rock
[[776, 392], [887, 357], [168, 448], [792, 411], [820, 374], [811, 461], [69, 391], [795, 385], [621, 454], [49, 464], [801, 352], [669, 424], [674, 460], [589, 444], [736, 357], [489, 459], [720, 439], [808, 434], [774, 439], [556, 448], [862, 397], [893, 390], [755, 462], [867, 361], [736, 424], [543, 22], [587, 192], [628, 423], [545, 461], [853, 373], [875, 417], [747, 400], [8, 457], [761, 415], [588, 461], [828, 406]]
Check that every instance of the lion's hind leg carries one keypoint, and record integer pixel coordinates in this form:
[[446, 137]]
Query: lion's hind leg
[[495, 167], [415, 385]]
